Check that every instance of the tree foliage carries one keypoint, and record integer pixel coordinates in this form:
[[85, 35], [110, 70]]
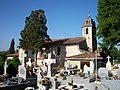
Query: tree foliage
[[35, 31], [109, 26], [12, 49], [13, 66], [2, 60]]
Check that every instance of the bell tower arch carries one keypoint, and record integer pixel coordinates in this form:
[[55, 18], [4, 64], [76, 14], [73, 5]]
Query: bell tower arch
[[89, 32]]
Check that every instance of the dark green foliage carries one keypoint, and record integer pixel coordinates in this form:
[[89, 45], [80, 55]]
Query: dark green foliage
[[13, 66], [35, 31], [12, 49], [2, 59], [1, 65], [109, 26]]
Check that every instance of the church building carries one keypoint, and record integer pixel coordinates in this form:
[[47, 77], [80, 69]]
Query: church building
[[74, 51]]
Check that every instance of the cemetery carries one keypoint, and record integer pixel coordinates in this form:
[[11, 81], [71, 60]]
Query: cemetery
[[64, 80], [73, 63]]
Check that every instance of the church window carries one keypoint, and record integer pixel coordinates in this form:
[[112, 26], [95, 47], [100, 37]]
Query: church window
[[86, 21], [58, 50], [86, 30]]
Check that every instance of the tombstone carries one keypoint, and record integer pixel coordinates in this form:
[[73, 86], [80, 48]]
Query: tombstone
[[118, 73], [88, 70], [39, 76], [22, 72], [108, 64], [66, 66], [103, 72], [49, 61], [5, 68], [41, 87], [29, 62], [92, 67], [23, 59], [55, 83]]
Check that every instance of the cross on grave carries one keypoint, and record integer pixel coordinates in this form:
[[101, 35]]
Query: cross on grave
[[108, 57], [108, 64], [49, 61], [23, 58]]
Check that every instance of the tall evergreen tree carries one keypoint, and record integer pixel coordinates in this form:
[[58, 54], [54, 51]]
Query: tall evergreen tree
[[109, 26], [12, 49], [34, 33]]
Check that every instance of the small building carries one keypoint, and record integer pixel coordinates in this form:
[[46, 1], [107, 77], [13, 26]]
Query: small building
[[10, 56]]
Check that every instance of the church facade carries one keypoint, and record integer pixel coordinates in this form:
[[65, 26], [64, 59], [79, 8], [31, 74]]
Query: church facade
[[74, 51]]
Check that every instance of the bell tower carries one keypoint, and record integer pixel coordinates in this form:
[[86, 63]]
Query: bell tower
[[89, 32]]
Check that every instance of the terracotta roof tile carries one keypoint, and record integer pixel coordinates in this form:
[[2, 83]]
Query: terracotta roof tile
[[11, 55], [73, 40], [85, 55]]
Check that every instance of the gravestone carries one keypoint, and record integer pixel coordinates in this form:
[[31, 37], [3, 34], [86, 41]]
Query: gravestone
[[49, 61], [29, 62], [5, 68], [118, 73], [108, 64], [39, 76], [86, 69], [41, 87], [103, 72], [22, 72]]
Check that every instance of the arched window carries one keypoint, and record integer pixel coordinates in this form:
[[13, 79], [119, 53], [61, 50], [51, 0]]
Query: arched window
[[86, 30], [86, 21]]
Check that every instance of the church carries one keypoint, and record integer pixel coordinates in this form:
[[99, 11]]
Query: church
[[73, 51]]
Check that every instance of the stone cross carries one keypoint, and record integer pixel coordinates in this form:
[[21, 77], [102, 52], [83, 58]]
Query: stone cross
[[108, 57], [5, 68], [49, 61], [108, 64], [23, 59]]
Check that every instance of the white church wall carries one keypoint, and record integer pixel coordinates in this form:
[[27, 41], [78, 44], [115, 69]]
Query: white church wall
[[88, 37], [72, 50]]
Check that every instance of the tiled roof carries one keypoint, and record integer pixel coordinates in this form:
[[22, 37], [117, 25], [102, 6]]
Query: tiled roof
[[85, 55], [73, 40], [12, 55]]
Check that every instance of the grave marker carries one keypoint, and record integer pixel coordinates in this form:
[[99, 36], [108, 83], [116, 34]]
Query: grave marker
[[5, 68], [108, 64], [103, 72], [118, 73], [49, 61], [22, 72]]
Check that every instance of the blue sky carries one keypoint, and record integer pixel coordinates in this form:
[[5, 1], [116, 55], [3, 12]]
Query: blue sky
[[64, 17]]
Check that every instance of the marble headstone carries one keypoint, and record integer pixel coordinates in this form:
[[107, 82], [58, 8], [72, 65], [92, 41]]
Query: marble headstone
[[103, 72], [118, 72], [5, 68], [108, 64], [49, 61], [22, 72]]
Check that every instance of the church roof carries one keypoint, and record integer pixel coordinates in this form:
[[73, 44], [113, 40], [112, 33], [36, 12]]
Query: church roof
[[86, 55], [74, 40], [12, 55]]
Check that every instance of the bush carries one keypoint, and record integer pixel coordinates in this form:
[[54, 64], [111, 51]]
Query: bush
[[13, 64]]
